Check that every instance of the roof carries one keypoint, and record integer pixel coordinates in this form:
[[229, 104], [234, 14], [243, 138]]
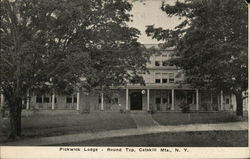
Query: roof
[[158, 46]]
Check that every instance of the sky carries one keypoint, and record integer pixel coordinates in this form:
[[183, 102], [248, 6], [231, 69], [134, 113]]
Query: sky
[[148, 12]]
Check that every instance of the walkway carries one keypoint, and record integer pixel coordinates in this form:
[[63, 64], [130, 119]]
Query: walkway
[[128, 132], [143, 119]]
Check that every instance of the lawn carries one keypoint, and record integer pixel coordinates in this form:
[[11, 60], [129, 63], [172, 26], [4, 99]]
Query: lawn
[[183, 139], [170, 118], [41, 125]]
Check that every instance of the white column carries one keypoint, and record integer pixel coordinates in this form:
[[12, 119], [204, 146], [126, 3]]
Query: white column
[[148, 99], [78, 101], [53, 101], [1, 110], [221, 100], [102, 106], [197, 99], [233, 102], [28, 101], [2, 100], [126, 99], [172, 106]]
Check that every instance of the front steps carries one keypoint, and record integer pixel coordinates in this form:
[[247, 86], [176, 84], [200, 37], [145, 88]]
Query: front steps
[[143, 119]]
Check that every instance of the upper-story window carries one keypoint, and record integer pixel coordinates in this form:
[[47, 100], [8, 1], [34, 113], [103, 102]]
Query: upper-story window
[[165, 63], [164, 77], [171, 77], [164, 56], [158, 77], [157, 63]]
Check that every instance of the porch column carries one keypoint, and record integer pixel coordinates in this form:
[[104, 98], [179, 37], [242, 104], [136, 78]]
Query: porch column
[[102, 107], [2, 100], [233, 101], [1, 109], [126, 99], [53, 101], [148, 99], [78, 100], [28, 101], [197, 99], [172, 106], [221, 100]]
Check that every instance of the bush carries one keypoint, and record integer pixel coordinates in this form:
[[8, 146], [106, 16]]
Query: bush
[[151, 110], [185, 108], [122, 111], [205, 106]]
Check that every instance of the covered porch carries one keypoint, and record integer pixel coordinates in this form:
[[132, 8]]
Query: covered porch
[[171, 99]]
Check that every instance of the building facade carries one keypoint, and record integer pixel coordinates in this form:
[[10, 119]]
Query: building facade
[[163, 91]]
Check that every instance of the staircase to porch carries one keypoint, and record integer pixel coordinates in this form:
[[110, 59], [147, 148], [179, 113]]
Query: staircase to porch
[[143, 119]]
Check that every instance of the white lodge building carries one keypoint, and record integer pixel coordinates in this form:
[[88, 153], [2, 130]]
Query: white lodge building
[[162, 92]]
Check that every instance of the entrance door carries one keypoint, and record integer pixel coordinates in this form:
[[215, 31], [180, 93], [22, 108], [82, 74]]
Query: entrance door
[[136, 101]]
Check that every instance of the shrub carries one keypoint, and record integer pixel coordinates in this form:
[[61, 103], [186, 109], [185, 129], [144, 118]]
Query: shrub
[[185, 108], [205, 106], [122, 111]]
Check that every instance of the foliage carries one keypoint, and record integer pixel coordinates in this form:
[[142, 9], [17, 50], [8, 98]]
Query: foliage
[[185, 108], [60, 45], [211, 44]]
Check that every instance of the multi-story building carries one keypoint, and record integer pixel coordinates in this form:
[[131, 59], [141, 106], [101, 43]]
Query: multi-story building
[[163, 91]]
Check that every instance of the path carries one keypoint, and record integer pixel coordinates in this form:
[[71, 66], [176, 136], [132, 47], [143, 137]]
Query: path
[[128, 132], [143, 120]]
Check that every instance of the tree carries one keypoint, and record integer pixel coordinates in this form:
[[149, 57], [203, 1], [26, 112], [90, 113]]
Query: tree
[[51, 45], [211, 44]]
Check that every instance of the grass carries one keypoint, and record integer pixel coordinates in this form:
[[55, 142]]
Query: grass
[[183, 139], [191, 118], [41, 126]]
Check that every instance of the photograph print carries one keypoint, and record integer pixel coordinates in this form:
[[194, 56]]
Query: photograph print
[[124, 73]]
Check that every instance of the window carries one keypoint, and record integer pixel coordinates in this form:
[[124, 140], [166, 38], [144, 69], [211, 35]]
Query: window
[[157, 80], [170, 97], [165, 63], [215, 100], [164, 77], [164, 80], [75, 99], [157, 77], [39, 99], [55, 100], [69, 100], [171, 77], [164, 100], [46, 99], [164, 56], [115, 101], [227, 101], [158, 100], [157, 63], [99, 100]]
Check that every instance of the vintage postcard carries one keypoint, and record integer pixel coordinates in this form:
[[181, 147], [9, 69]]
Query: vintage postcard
[[124, 79]]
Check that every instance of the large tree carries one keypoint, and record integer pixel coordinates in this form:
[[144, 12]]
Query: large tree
[[211, 44], [51, 45]]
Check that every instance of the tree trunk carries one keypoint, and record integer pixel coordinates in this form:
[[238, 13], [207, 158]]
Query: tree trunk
[[239, 102], [15, 107]]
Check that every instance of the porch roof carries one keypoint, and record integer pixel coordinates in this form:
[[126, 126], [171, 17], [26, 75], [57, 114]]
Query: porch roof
[[156, 86]]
